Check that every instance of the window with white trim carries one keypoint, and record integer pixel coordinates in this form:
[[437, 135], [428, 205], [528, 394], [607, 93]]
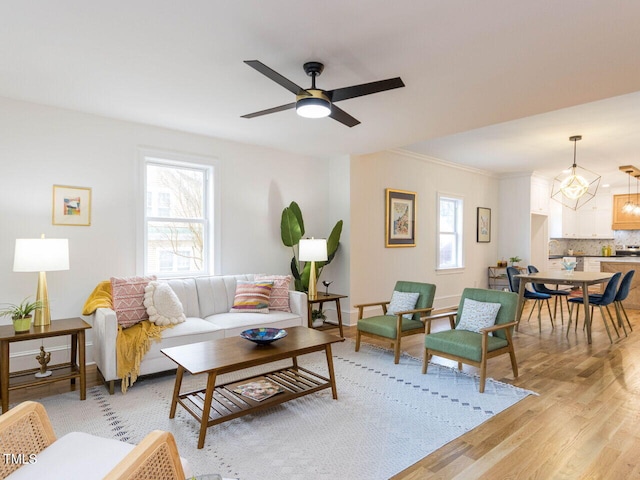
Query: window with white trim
[[177, 221], [450, 209]]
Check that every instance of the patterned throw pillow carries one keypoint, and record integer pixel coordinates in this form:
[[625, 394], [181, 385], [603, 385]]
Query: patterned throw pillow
[[163, 305], [252, 297], [279, 299], [128, 298], [401, 302], [477, 315]]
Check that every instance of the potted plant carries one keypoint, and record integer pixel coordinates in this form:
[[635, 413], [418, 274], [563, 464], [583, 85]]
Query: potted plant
[[317, 318], [514, 260], [291, 231], [21, 313]]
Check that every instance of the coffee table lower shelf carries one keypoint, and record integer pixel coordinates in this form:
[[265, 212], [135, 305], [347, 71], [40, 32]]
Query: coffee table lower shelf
[[226, 404]]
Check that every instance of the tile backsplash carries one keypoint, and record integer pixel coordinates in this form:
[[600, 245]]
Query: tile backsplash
[[561, 246]]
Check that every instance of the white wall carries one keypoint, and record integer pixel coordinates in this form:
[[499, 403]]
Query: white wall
[[41, 146], [374, 268]]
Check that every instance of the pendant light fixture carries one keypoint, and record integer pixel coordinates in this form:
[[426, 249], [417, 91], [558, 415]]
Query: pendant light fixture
[[629, 206], [578, 187]]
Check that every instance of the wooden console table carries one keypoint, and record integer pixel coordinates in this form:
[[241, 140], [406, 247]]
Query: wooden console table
[[321, 298], [75, 368]]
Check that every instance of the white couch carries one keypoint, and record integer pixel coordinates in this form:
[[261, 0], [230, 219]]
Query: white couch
[[206, 302]]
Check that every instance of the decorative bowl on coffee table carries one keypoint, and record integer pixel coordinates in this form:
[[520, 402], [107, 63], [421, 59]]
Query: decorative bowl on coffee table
[[264, 336]]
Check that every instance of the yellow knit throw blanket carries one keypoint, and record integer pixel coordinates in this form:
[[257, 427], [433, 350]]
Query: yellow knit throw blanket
[[131, 343], [131, 346]]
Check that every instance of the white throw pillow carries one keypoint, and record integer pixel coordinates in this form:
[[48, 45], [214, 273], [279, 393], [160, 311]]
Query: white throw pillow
[[401, 302], [477, 315], [163, 305]]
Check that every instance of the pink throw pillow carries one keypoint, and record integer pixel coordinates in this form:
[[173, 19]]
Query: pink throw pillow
[[279, 299], [128, 299]]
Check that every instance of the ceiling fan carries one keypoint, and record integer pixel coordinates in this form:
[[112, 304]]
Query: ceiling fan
[[316, 103]]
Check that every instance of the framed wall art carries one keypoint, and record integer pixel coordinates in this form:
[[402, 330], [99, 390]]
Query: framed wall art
[[71, 206], [400, 218], [483, 234]]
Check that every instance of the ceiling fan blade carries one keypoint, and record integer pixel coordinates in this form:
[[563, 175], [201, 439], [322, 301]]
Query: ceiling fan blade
[[270, 110], [275, 76], [343, 117], [364, 89]]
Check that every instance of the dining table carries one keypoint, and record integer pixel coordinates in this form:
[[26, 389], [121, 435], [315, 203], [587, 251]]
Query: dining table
[[564, 277]]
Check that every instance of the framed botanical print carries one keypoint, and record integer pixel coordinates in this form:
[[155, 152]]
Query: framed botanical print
[[483, 233], [71, 205], [400, 216]]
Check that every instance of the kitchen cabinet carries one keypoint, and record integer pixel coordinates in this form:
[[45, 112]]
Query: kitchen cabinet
[[622, 220], [592, 264], [540, 196], [593, 220], [555, 265]]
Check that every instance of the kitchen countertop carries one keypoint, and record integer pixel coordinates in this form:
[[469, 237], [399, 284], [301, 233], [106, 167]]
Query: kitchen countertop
[[551, 257]]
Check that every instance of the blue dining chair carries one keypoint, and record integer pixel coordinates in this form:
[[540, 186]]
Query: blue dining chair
[[538, 298], [556, 294], [621, 295], [597, 300]]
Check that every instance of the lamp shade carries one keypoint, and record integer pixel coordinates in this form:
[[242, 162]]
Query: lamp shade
[[41, 255], [313, 250]]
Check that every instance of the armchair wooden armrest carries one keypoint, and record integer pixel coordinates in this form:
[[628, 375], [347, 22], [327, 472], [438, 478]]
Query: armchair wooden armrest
[[416, 310], [156, 456], [382, 304], [501, 326], [400, 314], [445, 312], [25, 429]]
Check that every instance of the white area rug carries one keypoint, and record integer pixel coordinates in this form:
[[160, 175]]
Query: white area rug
[[386, 418]]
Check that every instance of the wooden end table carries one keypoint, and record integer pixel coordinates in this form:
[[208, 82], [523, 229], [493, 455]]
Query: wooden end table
[[75, 368], [321, 298]]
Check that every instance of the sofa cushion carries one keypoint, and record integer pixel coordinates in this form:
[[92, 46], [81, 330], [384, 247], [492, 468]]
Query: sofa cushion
[[279, 299], [462, 343], [128, 299], [185, 289], [79, 456], [216, 293], [252, 297], [234, 323], [162, 304]]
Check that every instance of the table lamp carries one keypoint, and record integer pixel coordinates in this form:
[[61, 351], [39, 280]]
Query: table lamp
[[41, 255], [313, 250]]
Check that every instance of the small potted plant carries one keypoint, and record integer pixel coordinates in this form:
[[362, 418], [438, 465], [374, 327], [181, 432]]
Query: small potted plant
[[21, 313], [317, 318], [514, 261]]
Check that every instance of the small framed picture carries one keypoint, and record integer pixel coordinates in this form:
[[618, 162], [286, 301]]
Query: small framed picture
[[71, 206], [483, 234], [400, 218]]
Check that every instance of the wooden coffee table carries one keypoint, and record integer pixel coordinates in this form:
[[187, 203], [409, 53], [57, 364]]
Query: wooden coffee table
[[218, 403]]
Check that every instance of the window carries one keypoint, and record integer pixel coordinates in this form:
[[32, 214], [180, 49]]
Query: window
[[177, 221], [449, 232]]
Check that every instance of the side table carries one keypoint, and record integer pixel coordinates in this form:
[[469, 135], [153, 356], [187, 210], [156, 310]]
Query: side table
[[321, 298], [75, 368]]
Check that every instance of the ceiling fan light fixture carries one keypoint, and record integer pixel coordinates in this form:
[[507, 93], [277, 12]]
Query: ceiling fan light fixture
[[313, 104]]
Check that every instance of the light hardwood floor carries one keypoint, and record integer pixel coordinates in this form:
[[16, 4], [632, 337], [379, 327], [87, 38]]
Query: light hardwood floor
[[585, 424]]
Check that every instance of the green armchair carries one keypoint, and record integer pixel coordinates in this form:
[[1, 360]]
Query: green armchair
[[474, 348], [394, 327]]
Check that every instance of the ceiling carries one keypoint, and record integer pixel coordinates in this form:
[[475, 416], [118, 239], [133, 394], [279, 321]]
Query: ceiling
[[495, 84]]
